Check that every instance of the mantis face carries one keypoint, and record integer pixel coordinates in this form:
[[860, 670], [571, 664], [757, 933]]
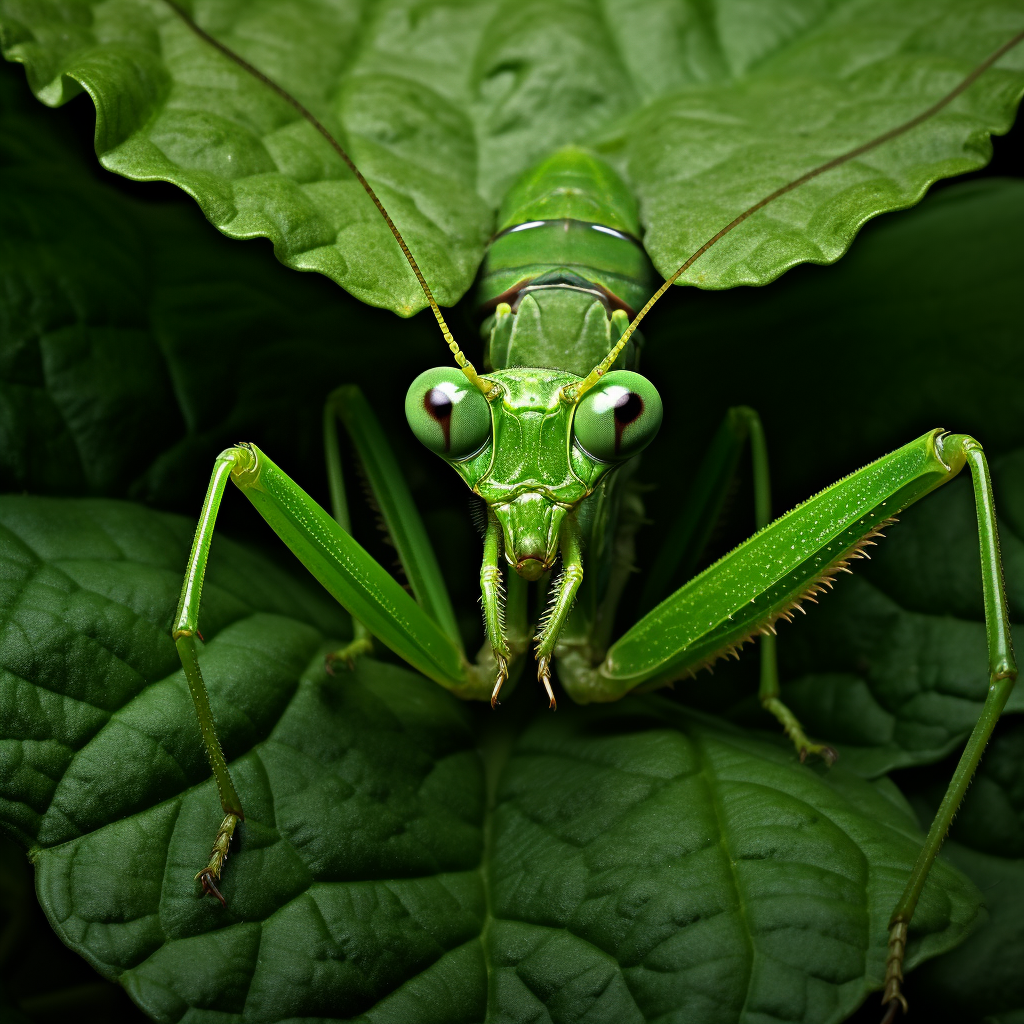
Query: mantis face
[[529, 453]]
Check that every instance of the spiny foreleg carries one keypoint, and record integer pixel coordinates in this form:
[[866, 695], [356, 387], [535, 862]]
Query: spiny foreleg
[[492, 599], [563, 594], [770, 692], [766, 578]]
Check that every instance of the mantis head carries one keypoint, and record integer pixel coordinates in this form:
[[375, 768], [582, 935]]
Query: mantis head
[[530, 447]]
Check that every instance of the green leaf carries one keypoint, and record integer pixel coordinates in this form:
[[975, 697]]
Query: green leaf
[[170, 107], [640, 859], [993, 819], [42, 978], [706, 110], [643, 785], [801, 91]]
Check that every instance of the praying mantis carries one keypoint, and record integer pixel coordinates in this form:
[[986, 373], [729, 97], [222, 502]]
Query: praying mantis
[[545, 436]]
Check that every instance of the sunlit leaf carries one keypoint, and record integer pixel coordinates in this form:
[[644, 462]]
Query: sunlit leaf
[[705, 111]]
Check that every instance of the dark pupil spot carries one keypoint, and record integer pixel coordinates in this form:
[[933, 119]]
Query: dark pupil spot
[[439, 406], [628, 409]]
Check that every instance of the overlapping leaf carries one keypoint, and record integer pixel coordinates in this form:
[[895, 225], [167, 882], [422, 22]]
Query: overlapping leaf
[[992, 821], [706, 110], [137, 343], [640, 860]]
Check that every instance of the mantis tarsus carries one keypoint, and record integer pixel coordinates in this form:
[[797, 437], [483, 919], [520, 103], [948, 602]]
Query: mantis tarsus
[[545, 437]]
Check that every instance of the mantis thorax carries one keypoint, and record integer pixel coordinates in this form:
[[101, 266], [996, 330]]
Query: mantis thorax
[[530, 453], [559, 281], [531, 473]]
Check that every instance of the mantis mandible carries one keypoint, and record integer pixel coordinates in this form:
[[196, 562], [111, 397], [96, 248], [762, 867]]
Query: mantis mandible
[[546, 437]]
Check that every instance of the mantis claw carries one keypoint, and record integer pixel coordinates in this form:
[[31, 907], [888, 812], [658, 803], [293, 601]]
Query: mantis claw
[[828, 754], [890, 1014], [892, 997], [210, 875], [501, 677], [795, 731], [544, 677], [210, 887], [348, 654]]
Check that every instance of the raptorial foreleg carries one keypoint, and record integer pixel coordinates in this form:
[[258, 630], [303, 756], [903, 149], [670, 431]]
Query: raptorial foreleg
[[563, 594]]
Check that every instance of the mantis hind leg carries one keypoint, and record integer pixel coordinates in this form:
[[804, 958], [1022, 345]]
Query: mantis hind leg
[[1002, 669], [769, 691]]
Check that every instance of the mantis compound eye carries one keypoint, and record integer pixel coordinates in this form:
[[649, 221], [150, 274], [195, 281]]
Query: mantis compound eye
[[617, 418], [448, 414]]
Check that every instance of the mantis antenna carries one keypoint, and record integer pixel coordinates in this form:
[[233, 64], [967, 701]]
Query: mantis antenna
[[573, 392], [463, 363]]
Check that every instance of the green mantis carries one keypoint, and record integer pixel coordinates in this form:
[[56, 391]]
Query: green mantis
[[544, 436]]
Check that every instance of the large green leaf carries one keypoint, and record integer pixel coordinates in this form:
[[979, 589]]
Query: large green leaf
[[993, 819], [706, 110], [639, 860]]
